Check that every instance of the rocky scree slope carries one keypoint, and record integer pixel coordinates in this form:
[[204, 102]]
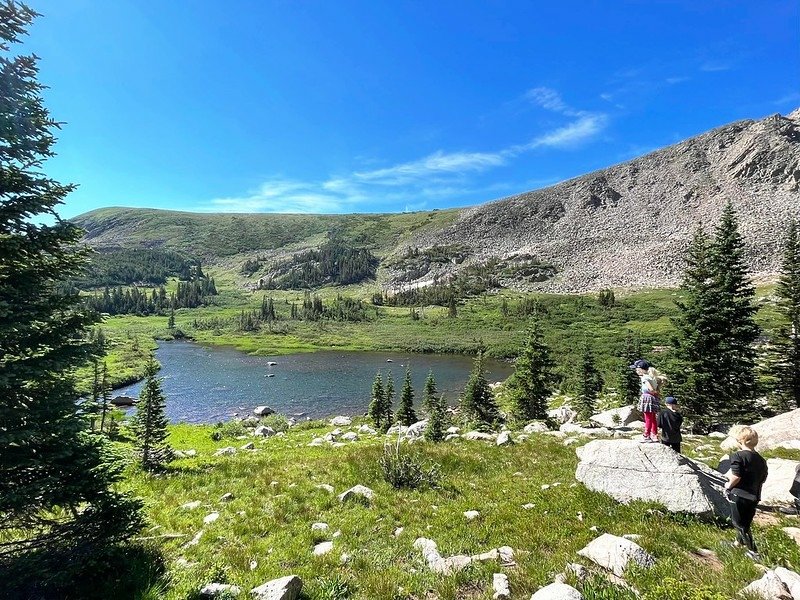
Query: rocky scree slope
[[629, 225]]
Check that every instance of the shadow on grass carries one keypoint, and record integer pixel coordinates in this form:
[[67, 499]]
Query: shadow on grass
[[135, 571]]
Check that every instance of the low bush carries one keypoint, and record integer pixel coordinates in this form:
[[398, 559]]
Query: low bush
[[404, 470]]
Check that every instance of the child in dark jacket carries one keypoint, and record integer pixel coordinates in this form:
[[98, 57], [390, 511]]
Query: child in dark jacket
[[669, 422]]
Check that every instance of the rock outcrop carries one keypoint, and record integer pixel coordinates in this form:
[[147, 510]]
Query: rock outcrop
[[616, 553], [779, 431], [627, 470]]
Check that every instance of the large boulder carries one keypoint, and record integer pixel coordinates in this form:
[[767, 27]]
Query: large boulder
[[616, 553], [340, 421], [562, 414], [617, 417], [574, 428], [780, 478], [769, 587], [285, 588], [791, 580], [262, 411], [628, 470], [779, 431], [417, 429]]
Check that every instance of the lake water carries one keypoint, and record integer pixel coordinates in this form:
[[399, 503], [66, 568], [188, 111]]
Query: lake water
[[209, 384]]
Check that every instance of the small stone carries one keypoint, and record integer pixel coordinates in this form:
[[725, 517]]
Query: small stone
[[323, 548], [451, 436], [319, 527], [367, 430], [504, 439], [210, 518], [472, 514], [615, 553], [262, 411], [336, 534], [318, 441], [285, 588], [357, 491], [345, 558], [191, 505], [341, 422], [253, 565], [453, 430], [350, 436], [227, 497], [557, 591], [500, 586], [248, 446], [506, 556], [479, 435], [264, 431], [528, 506], [326, 487], [212, 590], [227, 451], [546, 486], [195, 540]]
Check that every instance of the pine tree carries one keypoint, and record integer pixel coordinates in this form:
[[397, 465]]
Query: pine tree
[[628, 384], [377, 404], [531, 384], [149, 423], [736, 309], [56, 477], [405, 412], [589, 385], [171, 320], [388, 406], [436, 407], [477, 402], [786, 355], [105, 397]]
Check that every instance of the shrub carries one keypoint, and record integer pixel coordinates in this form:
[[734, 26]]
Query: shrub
[[229, 429], [334, 588], [277, 421], [403, 470]]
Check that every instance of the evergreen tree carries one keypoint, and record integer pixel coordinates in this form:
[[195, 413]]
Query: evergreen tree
[[105, 397], [589, 385], [478, 403], [56, 477], [786, 355], [405, 412], [736, 310], [377, 404], [532, 382], [628, 384], [388, 406], [149, 423], [171, 320], [436, 407]]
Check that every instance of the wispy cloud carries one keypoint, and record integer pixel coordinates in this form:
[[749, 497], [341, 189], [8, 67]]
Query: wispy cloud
[[712, 66], [412, 184], [792, 97]]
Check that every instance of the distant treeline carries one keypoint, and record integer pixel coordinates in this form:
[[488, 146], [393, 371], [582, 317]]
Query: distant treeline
[[335, 262], [134, 301], [126, 266]]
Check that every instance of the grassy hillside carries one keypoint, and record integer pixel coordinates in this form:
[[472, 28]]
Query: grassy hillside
[[265, 532]]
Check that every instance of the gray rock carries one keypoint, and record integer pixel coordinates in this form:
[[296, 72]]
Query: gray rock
[[264, 431], [367, 430], [478, 435], [562, 414], [453, 430], [451, 436], [779, 479], [212, 590], [247, 446], [185, 453], [285, 588], [326, 487], [627, 470], [535, 427], [250, 421], [504, 439], [769, 587], [322, 548], [615, 553], [471, 514], [791, 580], [793, 532], [417, 429], [318, 441], [557, 591], [350, 436], [227, 451], [574, 428], [500, 587], [262, 411], [191, 505], [319, 527], [779, 430], [357, 491], [227, 497], [617, 417], [341, 422]]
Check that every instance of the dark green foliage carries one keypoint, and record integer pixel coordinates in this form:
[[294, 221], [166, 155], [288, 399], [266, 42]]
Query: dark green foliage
[[589, 385], [388, 406], [171, 319], [628, 383], [716, 330], [149, 423], [250, 266], [377, 404], [119, 301], [606, 298], [142, 266], [57, 506], [335, 262], [404, 470], [405, 412], [785, 360], [436, 407], [478, 404], [533, 380]]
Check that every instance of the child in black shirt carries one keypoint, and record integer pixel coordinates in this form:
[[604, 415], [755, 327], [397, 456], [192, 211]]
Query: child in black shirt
[[669, 422], [748, 473]]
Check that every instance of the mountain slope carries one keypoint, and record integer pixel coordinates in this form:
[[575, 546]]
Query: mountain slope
[[624, 226]]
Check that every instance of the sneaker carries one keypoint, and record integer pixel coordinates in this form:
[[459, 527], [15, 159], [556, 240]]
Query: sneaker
[[644, 440]]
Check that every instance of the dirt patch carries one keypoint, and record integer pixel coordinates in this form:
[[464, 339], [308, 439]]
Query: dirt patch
[[707, 558]]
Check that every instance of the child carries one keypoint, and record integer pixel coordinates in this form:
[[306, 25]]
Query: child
[[649, 402], [747, 475], [670, 421]]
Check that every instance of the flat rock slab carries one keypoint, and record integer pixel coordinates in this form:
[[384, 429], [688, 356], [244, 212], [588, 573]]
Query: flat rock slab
[[615, 553], [617, 417], [779, 479], [285, 588], [791, 580], [557, 591], [793, 532], [779, 430], [212, 590], [769, 587], [628, 470], [357, 492]]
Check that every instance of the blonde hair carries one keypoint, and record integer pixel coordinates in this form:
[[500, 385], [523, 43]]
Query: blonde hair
[[746, 436], [658, 377]]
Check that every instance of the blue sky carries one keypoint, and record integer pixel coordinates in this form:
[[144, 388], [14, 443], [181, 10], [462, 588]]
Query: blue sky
[[385, 105]]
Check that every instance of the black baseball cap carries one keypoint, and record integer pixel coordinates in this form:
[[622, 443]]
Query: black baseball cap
[[640, 364], [670, 400]]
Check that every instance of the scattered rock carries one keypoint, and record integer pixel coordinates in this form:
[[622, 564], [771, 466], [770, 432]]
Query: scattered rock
[[573, 428], [357, 491], [226, 451], [779, 430], [264, 431], [793, 532], [250, 421], [617, 417], [769, 587], [317, 442], [248, 446], [227, 497], [195, 540], [504, 439], [326, 487], [478, 435], [506, 556], [451, 436], [472, 514], [453, 430], [350, 436], [500, 586], [367, 430], [345, 558], [191, 505], [399, 531], [212, 590], [341, 422], [262, 411], [436, 562], [185, 453], [528, 506], [627, 470], [535, 427], [717, 435], [285, 588], [210, 518], [417, 429], [563, 414], [791, 580], [323, 548], [556, 434], [615, 553], [557, 591], [779, 479], [319, 527]]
